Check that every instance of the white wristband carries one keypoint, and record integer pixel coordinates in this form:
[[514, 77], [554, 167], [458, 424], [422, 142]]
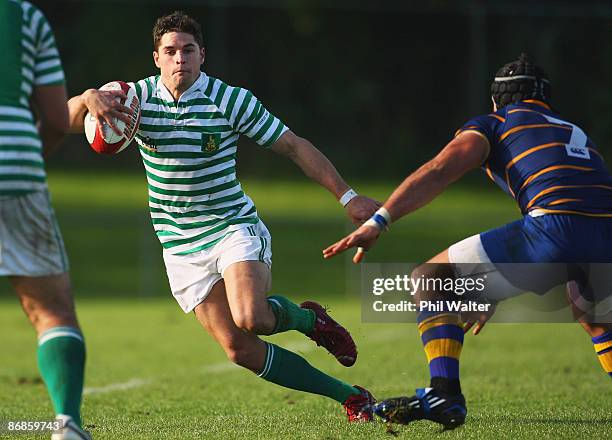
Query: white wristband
[[348, 196], [382, 211]]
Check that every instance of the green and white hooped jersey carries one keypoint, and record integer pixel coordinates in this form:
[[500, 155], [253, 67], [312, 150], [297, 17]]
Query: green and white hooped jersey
[[189, 153], [29, 58]]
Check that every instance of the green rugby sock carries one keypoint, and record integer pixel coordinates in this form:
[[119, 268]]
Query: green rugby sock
[[289, 370], [61, 361], [290, 316]]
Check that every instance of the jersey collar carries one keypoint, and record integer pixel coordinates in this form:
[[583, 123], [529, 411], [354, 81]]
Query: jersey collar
[[198, 85], [536, 102]]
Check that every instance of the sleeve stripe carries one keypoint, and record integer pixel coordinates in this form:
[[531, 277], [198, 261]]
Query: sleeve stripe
[[43, 72], [29, 47], [230, 105], [26, 33], [38, 23], [252, 108], [51, 79], [246, 102], [280, 130], [255, 115], [471, 130], [226, 97], [264, 129], [29, 10], [27, 74], [52, 63]]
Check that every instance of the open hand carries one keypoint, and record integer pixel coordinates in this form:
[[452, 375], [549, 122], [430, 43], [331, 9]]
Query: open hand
[[362, 238]]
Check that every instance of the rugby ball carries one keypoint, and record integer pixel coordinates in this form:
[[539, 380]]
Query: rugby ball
[[102, 137]]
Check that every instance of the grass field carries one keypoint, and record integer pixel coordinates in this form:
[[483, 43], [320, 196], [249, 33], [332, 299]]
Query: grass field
[[153, 373]]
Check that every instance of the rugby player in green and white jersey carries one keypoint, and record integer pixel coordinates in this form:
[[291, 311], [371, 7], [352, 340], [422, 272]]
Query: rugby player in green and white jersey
[[33, 121], [216, 249]]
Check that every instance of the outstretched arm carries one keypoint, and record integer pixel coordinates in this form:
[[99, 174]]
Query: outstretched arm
[[464, 153], [318, 167]]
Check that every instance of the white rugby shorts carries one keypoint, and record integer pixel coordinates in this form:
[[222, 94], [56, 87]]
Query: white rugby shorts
[[30, 239], [193, 275], [470, 251]]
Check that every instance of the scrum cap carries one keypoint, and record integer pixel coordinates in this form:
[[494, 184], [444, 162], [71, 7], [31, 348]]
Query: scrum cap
[[519, 80]]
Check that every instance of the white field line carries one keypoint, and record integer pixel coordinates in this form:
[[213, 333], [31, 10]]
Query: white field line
[[132, 383], [225, 367]]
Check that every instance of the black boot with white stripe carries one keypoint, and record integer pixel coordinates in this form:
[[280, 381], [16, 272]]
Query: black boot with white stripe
[[428, 404]]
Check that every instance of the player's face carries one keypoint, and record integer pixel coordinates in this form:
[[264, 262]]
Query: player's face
[[179, 58]]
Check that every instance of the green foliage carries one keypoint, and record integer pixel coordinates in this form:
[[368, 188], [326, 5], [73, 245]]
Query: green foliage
[[383, 83]]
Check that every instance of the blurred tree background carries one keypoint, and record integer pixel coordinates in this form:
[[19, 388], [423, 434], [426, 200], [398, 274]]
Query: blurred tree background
[[378, 86]]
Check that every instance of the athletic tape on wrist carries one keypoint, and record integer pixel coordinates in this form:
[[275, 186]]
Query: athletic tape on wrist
[[347, 197], [380, 220], [385, 214]]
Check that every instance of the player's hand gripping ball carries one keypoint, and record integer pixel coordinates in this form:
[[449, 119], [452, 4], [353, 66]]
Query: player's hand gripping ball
[[102, 137]]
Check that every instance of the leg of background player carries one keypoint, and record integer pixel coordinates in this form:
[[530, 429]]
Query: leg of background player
[[47, 301], [441, 332], [442, 336]]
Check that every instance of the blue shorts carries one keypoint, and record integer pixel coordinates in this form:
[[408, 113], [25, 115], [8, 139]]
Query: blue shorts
[[556, 239], [551, 239]]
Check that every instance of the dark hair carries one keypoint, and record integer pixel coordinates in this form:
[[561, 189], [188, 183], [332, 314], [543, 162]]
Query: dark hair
[[519, 80], [178, 21]]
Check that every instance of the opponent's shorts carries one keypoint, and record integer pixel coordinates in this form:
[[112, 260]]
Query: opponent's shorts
[[193, 275], [538, 253], [30, 239]]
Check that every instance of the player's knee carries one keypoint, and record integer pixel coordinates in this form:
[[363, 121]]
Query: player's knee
[[46, 314], [44, 318], [250, 322], [422, 272], [429, 273]]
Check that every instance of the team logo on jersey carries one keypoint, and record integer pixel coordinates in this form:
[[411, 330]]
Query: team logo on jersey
[[147, 144], [576, 151], [210, 142]]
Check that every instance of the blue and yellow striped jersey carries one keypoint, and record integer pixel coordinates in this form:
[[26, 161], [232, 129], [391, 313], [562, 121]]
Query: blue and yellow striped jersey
[[543, 161]]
